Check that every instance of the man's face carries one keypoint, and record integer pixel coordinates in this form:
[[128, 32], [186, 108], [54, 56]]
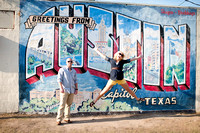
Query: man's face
[[69, 62]]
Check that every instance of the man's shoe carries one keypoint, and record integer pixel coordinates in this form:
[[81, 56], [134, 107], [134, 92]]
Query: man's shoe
[[58, 123], [68, 121]]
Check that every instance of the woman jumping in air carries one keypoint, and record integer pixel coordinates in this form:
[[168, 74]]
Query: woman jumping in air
[[116, 74]]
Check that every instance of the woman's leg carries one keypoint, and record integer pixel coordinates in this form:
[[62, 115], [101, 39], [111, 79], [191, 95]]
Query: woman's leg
[[104, 91], [126, 87]]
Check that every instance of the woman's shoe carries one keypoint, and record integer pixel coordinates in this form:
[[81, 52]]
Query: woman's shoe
[[92, 104], [141, 100]]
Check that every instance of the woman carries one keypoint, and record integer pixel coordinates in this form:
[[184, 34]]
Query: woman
[[116, 74]]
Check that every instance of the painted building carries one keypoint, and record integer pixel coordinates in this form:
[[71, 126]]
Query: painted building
[[46, 33]]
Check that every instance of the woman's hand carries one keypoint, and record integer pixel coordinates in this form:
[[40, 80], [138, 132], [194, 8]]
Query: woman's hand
[[140, 56]]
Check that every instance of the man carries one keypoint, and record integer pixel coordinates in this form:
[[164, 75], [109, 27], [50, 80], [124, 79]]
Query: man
[[67, 81]]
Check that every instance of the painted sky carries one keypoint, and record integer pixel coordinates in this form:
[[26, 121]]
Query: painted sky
[[182, 3]]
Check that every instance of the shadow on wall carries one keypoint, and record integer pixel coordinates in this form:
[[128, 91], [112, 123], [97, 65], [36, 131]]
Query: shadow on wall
[[13, 61], [9, 53]]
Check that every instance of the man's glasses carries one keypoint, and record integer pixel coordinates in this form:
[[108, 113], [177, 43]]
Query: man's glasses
[[70, 61]]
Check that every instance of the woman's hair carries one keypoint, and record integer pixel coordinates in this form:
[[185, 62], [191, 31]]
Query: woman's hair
[[116, 54]]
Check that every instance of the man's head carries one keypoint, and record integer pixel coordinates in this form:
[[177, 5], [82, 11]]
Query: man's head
[[69, 62]]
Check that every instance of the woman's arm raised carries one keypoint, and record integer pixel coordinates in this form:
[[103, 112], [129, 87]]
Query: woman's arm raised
[[102, 55], [136, 58]]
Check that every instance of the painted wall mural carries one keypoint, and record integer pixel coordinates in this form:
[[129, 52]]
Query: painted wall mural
[[51, 32]]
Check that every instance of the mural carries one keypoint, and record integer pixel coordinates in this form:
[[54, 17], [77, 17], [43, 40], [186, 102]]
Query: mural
[[51, 32]]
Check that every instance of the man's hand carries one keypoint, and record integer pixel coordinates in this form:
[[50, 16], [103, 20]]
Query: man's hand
[[76, 92], [62, 90], [61, 87]]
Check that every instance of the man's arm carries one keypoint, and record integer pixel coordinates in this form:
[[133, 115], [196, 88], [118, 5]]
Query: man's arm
[[60, 79], [76, 83], [61, 87], [76, 88]]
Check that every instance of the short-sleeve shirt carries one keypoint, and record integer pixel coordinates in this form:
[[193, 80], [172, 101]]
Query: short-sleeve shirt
[[117, 74]]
